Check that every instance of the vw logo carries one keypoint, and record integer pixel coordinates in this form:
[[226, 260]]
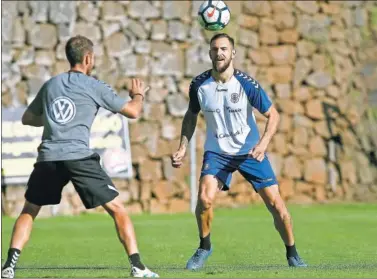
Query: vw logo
[[62, 110]]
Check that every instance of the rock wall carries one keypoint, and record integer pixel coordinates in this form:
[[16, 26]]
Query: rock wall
[[316, 59]]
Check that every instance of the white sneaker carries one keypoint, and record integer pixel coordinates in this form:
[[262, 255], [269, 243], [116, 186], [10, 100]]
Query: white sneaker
[[136, 272], [7, 273]]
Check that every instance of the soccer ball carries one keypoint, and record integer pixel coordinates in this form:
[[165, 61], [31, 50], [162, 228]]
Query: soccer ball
[[213, 15]]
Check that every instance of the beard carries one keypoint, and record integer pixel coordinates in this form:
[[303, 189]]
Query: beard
[[225, 65]]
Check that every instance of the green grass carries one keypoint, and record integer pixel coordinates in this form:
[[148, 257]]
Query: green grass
[[336, 240]]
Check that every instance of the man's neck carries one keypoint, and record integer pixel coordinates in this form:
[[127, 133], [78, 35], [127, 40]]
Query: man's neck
[[78, 68], [224, 76]]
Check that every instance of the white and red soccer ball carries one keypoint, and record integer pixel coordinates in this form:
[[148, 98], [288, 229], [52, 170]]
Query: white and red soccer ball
[[213, 15]]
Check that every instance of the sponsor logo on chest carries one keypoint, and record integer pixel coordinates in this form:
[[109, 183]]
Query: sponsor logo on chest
[[62, 110]]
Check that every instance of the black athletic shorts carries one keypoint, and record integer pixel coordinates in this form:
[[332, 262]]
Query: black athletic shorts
[[91, 182]]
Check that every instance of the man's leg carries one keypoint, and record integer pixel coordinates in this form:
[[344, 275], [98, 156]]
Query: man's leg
[[282, 218], [261, 175], [20, 236], [208, 187], [95, 188], [127, 237], [44, 187], [282, 221], [123, 224]]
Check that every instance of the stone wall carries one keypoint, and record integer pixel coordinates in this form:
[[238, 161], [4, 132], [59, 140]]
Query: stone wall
[[316, 59]]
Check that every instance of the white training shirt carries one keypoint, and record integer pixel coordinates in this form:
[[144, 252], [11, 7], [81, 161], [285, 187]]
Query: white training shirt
[[228, 111]]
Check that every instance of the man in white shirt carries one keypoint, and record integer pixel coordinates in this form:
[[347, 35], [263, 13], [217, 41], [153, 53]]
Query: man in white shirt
[[226, 97]]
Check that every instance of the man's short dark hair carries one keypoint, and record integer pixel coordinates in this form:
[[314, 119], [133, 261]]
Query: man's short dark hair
[[76, 48], [223, 35]]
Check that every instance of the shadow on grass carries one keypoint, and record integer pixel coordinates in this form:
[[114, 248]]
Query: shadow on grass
[[210, 269]]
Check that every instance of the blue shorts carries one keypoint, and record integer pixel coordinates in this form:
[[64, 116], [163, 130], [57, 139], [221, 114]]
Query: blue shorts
[[259, 174]]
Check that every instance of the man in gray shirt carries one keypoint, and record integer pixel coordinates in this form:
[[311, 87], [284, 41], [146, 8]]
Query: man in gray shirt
[[65, 107]]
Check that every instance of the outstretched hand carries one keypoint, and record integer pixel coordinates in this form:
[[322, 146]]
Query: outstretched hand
[[138, 87]]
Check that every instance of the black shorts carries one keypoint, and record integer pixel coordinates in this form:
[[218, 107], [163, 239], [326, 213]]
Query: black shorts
[[91, 182]]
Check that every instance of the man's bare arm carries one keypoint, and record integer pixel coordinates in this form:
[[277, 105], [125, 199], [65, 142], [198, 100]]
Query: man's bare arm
[[272, 124], [188, 128], [271, 127], [133, 108]]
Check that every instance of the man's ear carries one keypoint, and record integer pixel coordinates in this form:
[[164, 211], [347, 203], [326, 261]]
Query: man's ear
[[87, 59]]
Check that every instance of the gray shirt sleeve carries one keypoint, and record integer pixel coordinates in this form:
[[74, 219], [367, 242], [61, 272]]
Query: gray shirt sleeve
[[36, 106], [107, 98]]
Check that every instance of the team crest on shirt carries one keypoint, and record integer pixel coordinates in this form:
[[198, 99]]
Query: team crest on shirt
[[234, 97], [62, 110]]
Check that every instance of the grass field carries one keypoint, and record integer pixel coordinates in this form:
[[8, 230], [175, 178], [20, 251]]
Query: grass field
[[336, 240]]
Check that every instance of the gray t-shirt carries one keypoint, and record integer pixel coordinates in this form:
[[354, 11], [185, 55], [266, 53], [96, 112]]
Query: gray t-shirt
[[68, 104]]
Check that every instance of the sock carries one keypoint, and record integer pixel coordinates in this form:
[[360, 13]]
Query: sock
[[135, 261], [205, 242], [13, 255], [291, 251]]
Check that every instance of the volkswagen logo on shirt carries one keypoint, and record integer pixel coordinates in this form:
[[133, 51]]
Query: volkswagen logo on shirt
[[62, 110]]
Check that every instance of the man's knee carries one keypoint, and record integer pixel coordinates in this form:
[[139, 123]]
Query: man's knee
[[207, 191], [115, 207], [278, 209], [205, 201]]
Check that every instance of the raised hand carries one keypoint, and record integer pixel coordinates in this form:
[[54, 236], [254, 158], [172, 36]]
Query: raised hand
[[138, 87]]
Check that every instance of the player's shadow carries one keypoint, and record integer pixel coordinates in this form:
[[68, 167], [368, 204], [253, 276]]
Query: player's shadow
[[215, 268], [211, 268]]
